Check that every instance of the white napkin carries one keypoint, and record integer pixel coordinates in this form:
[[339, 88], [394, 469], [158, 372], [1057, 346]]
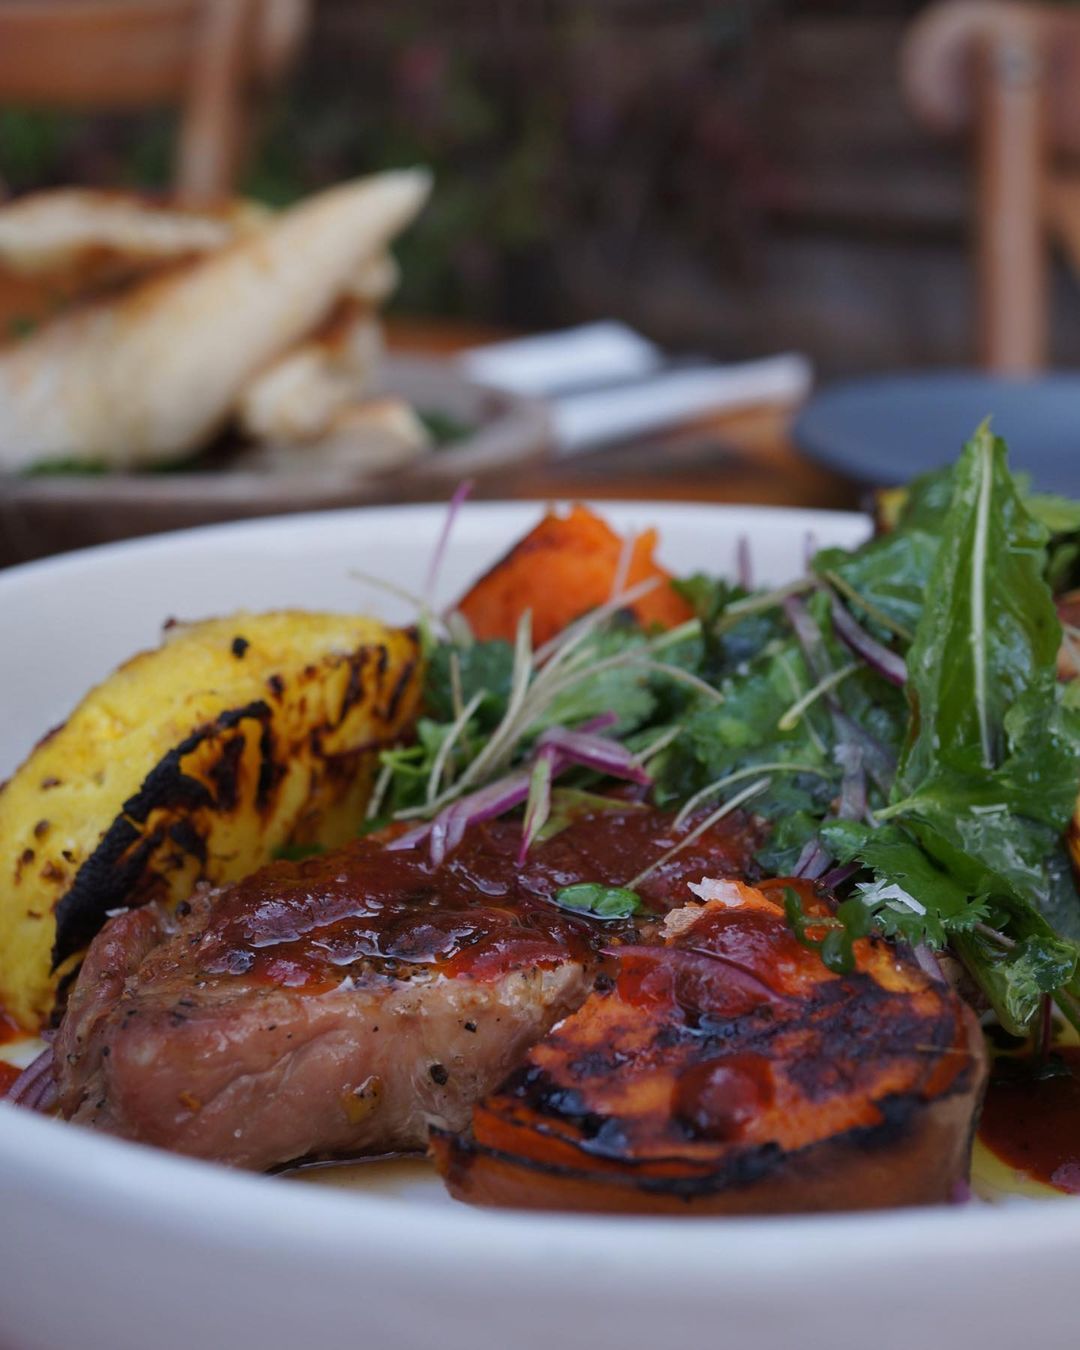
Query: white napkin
[[591, 354], [604, 382]]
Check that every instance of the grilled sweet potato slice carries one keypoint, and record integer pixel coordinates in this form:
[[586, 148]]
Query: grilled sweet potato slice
[[563, 568], [726, 1071]]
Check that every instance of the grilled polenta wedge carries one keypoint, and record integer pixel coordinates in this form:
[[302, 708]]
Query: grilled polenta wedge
[[193, 762]]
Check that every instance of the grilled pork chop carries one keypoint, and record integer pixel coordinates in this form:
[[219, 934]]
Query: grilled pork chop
[[726, 1070], [347, 1003]]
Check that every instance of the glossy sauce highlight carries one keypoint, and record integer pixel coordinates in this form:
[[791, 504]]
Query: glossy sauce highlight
[[1031, 1118]]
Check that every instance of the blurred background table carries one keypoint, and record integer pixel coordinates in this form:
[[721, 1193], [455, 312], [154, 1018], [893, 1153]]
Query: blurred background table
[[736, 457]]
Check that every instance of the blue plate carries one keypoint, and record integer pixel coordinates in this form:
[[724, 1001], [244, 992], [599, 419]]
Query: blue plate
[[886, 429]]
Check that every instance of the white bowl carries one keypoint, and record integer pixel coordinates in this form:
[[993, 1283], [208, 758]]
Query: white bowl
[[110, 1246]]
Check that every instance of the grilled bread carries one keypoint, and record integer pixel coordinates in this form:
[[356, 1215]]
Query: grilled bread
[[193, 762], [154, 373]]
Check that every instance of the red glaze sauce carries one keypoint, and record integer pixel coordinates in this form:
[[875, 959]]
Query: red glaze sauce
[[1031, 1118], [479, 914], [8, 1075]]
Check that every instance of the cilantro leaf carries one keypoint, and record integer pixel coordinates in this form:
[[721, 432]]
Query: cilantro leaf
[[903, 874], [851, 921], [481, 667], [1017, 972], [626, 691]]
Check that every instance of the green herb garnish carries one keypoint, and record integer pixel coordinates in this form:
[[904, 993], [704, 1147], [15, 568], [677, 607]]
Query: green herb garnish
[[602, 902], [838, 933], [442, 427]]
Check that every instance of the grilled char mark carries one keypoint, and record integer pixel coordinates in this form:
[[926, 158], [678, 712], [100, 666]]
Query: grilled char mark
[[106, 880], [111, 875], [166, 785], [165, 825], [746, 1169], [187, 838], [271, 771], [226, 775], [397, 693], [354, 689], [846, 1043]]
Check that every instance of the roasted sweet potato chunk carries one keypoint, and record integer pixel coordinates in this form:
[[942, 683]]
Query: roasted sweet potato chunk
[[563, 568], [727, 1071]]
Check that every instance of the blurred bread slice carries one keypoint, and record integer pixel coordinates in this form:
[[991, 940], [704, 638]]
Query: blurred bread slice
[[376, 436], [153, 374], [297, 397], [375, 280], [78, 238]]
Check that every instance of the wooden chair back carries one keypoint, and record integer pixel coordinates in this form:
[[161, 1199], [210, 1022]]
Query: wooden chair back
[[209, 58], [1008, 74]]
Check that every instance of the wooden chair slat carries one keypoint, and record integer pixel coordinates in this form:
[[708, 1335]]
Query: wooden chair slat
[[1008, 76], [209, 58]]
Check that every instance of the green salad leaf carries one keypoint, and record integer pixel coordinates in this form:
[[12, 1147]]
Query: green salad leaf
[[461, 671], [924, 503], [912, 896], [1019, 964], [886, 579], [987, 776], [900, 705], [988, 632]]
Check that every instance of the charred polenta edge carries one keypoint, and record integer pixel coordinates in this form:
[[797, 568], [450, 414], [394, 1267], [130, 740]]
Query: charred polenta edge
[[111, 875]]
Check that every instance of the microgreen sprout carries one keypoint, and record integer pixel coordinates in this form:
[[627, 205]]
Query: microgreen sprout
[[622, 567], [453, 735], [460, 496], [713, 789], [710, 820], [790, 719]]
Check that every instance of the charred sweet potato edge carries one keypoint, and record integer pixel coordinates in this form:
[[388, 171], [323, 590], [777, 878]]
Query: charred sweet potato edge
[[915, 1156]]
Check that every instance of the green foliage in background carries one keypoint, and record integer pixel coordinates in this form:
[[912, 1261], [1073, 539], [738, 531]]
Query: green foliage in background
[[548, 127]]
